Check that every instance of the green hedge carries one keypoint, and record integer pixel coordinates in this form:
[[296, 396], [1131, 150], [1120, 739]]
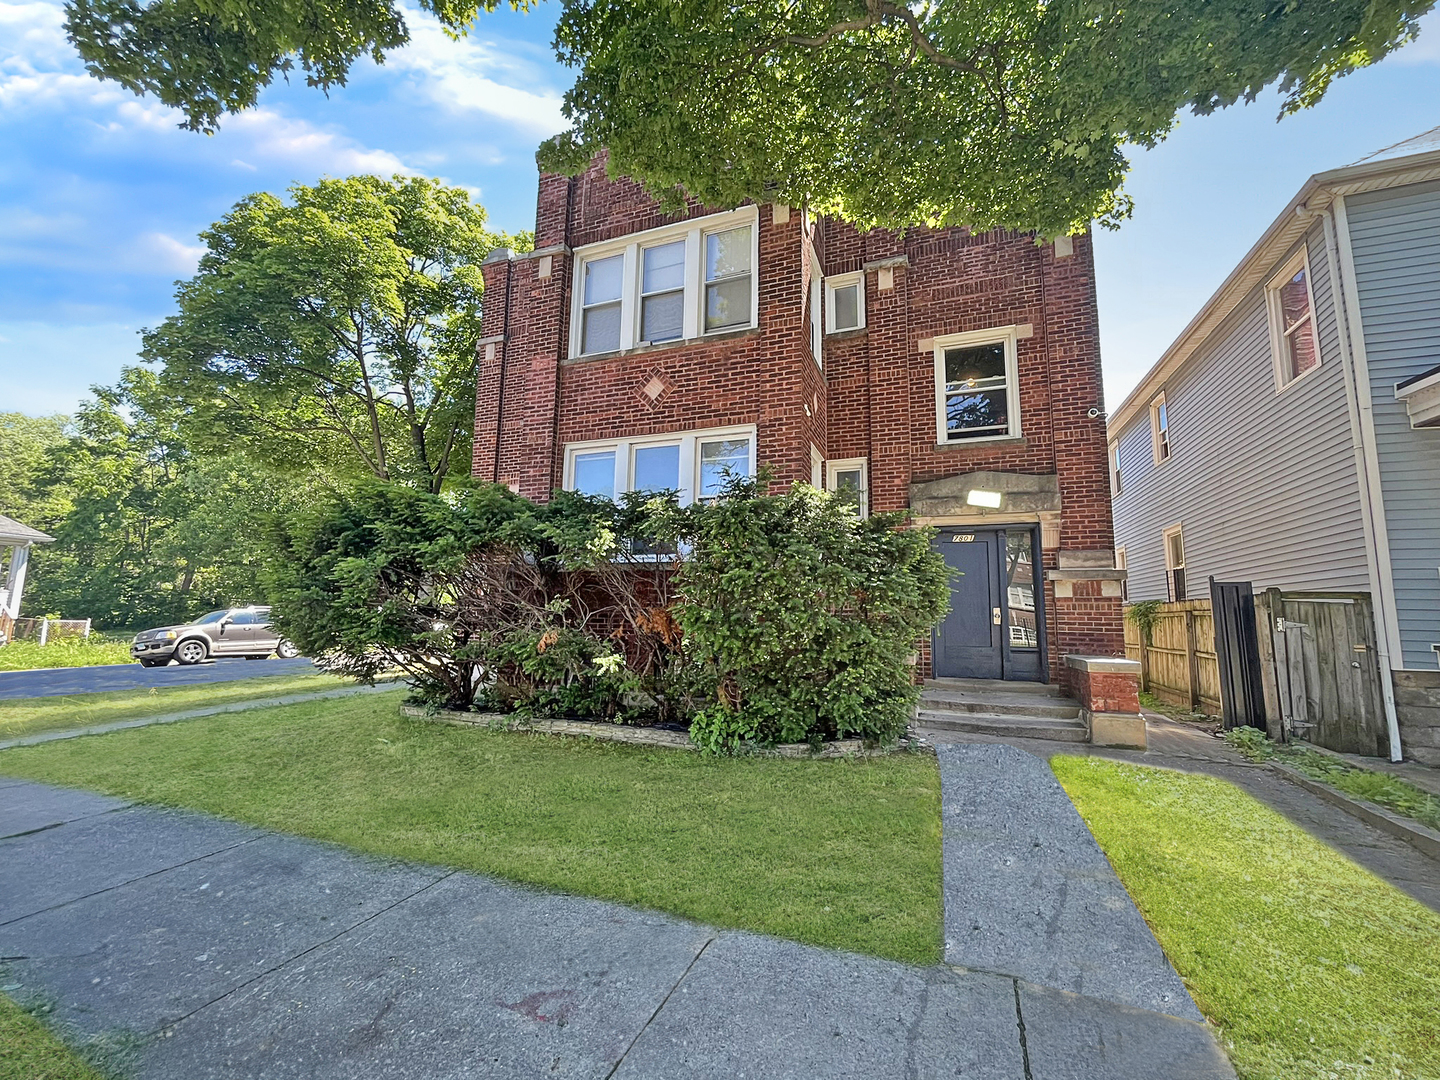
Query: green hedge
[[773, 617]]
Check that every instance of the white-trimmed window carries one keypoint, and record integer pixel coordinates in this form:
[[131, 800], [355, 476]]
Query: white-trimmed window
[[1121, 564], [845, 302], [671, 284], [694, 464], [977, 386], [1115, 469], [849, 479], [1174, 541], [1160, 428], [1293, 345], [817, 467]]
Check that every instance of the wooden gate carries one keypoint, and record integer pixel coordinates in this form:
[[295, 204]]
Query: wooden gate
[[1326, 672]]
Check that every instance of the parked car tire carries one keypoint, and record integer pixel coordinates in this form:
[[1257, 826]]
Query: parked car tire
[[153, 663], [191, 651], [286, 650]]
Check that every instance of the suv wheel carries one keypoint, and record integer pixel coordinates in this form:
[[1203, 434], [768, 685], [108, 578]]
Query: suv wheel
[[286, 651], [190, 652]]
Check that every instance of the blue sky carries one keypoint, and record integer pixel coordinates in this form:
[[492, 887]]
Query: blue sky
[[102, 196]]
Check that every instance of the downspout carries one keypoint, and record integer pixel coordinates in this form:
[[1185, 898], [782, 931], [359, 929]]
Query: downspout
[[504, 364], [1368, 508]]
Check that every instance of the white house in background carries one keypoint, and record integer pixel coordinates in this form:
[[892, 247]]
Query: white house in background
[[16, 540], [1290, 437]]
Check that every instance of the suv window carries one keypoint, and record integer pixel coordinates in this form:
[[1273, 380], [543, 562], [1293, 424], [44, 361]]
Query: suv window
[[213, 617], [242, 618]]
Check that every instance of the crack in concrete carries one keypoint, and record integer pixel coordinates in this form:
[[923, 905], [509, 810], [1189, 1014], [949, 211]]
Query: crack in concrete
[[131, 881], [663, 1002], [1020, 1023]]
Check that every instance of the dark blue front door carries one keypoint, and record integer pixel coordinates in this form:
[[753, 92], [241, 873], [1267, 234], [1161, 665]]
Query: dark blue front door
[[995, 628]]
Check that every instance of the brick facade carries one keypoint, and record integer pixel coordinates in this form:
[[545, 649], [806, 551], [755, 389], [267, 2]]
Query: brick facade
[[874, 397]]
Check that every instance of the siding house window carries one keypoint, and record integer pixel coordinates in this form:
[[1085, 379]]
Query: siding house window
[[692, 464], [845, 302], [847, 478], [676, 283], [976, 385], [1115, 470], [1292, 321], [1120, 564], [1175, 562], [1160, 429]]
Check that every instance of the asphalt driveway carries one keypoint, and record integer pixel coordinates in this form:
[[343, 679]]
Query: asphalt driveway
[[53, 682]]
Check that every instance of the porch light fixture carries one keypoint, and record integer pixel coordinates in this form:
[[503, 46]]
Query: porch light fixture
[[981, 497]]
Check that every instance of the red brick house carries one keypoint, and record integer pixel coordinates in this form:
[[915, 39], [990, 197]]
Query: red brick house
[[952, 374]]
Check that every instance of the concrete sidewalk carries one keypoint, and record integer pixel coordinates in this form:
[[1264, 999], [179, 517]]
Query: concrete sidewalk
[[185, 946]]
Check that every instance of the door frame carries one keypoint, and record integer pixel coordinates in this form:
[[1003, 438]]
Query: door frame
[[1002, 589]]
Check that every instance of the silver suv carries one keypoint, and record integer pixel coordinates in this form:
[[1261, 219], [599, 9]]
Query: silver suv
[[238, 631]]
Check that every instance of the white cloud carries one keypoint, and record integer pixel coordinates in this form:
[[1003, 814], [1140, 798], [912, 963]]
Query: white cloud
[[270, 136], [464, 76], [159, 252]]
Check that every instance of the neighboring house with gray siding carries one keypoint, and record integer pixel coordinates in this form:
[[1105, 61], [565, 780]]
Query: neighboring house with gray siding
[[1290, 437]]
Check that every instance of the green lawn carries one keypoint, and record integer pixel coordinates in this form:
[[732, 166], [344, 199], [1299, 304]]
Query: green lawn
[[830, 852], [30, 1052], [28, 655], [30, 716], [1311, 966]]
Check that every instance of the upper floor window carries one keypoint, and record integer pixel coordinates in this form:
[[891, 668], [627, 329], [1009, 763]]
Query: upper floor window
[[1292, 321], [845, 302], [1175, 561], [1160, 429], [976, 386], [847, 478], [816, 329], [692, 464], [1115, 469], [669, 284]]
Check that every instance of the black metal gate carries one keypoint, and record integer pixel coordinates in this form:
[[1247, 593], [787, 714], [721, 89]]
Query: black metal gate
[[1237, 649]]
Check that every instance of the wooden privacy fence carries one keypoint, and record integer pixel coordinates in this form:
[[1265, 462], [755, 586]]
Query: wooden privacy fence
[[1179, 665]]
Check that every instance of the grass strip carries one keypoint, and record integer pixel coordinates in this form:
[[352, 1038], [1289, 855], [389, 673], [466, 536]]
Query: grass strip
[[28, 1051], [1310, 965], [31, 716], [28, 655], [1380, 788], [838, 853]]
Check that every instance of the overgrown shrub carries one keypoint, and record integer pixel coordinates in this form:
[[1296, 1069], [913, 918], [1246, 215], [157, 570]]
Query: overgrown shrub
[[770, 618], [479, 597], [802, 617]]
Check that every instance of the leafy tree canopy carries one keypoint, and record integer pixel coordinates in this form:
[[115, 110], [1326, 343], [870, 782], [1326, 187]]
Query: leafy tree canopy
[[988, 113], [337, 329]]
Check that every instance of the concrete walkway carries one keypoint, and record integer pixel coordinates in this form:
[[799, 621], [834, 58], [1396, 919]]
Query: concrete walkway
[[1028, 891], [1189, 749], [179, 945]]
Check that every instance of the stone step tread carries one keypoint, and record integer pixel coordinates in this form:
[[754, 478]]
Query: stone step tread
[[1015, 726], [1004, 686], [999, 702]]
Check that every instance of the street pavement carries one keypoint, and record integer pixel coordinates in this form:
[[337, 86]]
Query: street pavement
[[178, 945], [54, 682]]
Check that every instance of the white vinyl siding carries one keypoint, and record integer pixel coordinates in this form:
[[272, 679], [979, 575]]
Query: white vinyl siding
[[1264, 483], [1395, 240]]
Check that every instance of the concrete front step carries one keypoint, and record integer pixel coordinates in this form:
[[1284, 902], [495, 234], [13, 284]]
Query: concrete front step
[[999, 701], [1009, 725], [987, 686]]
